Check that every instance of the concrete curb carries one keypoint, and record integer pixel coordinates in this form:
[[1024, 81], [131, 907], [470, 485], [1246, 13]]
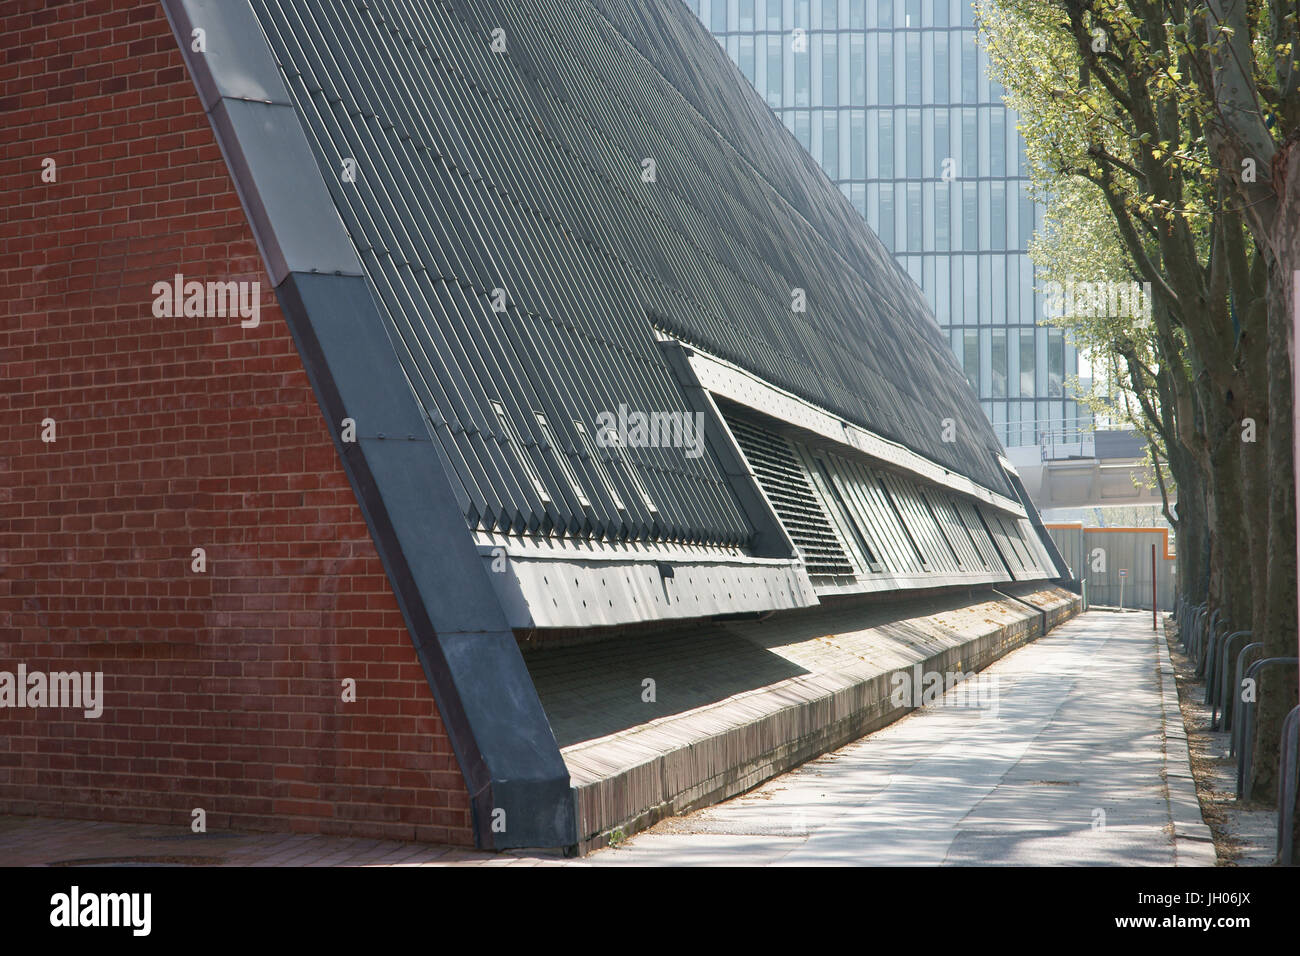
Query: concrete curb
[[1193, 842]]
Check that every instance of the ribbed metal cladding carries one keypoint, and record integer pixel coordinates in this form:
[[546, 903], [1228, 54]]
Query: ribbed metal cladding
[[522, 171], [786, 485], [851, 521]]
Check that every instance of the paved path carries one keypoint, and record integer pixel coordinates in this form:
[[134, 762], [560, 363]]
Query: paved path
[[1078, 727], [1065, 763], [33, 841]]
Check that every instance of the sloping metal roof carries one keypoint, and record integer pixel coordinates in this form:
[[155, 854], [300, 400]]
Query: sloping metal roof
[[397, 171], [521, 171]]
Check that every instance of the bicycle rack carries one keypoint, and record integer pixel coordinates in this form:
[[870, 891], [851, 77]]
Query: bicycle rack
[[1216, 691], [1183, 625], [1256, 648], [1288, 776], [1245, 762], [1205, 640], [1186, 620], [1193, 624]]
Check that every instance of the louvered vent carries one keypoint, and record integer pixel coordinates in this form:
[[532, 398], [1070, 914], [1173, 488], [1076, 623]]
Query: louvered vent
[[787, 487]]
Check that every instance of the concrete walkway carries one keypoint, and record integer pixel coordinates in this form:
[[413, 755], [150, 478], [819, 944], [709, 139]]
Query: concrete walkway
[[1077, 757], [1061, 760]]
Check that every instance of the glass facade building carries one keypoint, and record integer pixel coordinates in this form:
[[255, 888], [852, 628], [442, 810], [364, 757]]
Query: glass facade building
[[894, 100]]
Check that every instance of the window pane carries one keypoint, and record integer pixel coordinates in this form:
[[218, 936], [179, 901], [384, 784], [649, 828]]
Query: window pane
[[746, 15], [999, 363], [858, 195], [857, 145], [912, 60], [914, 217], [718, 16], [886, 149], [1027, 363], [1055, 363], [801, 81], [830, 78], [1026, 216], [997, 143], [941, 68], [831, 144], [747, 57], [969, 71], [886, 64], [970, 155], [941, 214], [998, 216], [998, 288], [970, 283], [887, 215], [774, 71], [942, 148], [774, 15], [857, 72], [970, 218], [913, 170], [971, 358], [957, 302]]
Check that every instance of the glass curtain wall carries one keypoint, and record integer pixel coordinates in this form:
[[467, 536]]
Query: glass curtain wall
[[893, 99]]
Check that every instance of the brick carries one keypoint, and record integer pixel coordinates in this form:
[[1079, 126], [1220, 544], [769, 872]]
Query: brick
[[223, 688]]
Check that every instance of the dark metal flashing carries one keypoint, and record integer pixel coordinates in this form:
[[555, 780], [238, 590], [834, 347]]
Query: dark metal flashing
[[242, 90], [290, 210], [229, 66], [518, 784]]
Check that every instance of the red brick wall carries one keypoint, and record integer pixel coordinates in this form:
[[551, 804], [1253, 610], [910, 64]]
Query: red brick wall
[[222, 690]]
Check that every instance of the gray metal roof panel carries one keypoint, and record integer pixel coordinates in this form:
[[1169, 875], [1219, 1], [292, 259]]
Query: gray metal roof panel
[[522, 170]]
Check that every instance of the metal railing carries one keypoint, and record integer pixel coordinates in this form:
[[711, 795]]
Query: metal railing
[[1214, 647], [1288, 777]]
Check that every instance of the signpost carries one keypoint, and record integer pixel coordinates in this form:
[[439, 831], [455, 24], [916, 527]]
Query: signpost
[[1123, 573]]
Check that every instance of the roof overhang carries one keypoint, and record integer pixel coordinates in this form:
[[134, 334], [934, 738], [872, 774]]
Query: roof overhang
[[731, 382]]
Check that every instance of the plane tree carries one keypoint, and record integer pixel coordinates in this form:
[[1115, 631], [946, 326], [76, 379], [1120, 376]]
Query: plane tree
[[1180, 119]]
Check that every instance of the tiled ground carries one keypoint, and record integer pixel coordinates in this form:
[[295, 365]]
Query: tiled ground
[[32, 841], [1078, 727]]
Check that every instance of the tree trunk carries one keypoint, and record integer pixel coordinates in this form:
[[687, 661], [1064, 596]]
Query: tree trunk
[[1230, 577], [1278, 686], [1193, 544]]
